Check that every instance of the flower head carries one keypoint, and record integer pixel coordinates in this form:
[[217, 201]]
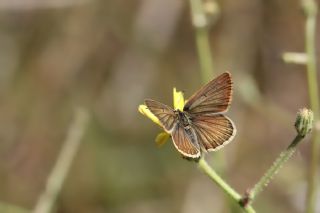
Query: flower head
[[304, 122]]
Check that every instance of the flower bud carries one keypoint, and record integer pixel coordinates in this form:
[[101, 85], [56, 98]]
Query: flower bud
[[304, 122]]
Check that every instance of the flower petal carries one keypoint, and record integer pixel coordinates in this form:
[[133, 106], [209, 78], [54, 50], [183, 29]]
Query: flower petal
[[143, 109], [178, 99], [162, 138]]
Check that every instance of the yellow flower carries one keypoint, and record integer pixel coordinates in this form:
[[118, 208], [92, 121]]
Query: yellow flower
[[178, 103], [178, 100], [143, 109]]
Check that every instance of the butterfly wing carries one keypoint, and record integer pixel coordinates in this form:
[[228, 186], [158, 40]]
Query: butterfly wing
[[185, 143], [164, 113], [214, 97], [213, 131]]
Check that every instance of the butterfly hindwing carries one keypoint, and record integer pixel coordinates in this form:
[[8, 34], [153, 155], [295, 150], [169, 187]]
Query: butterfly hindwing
[[213, 131], [185, 143], [164, 113], [214, 97]]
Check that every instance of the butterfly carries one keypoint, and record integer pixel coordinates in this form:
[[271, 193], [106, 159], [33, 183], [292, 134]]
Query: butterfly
[[201, 125]]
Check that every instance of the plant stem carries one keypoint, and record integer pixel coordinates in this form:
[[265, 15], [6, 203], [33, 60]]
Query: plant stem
[[310, 9], [200, 24], [62, 166], [235, 196], [283, 157]]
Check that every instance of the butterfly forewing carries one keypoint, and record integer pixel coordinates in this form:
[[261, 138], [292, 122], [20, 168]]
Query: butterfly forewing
[[214, 97], [213, 131], [164, 113], [186, 144]]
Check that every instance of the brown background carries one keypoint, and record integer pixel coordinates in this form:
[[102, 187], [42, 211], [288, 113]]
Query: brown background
[[108, 56]]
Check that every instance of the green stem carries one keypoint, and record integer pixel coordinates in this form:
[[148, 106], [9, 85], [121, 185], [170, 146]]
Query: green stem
[[313, 174], [311, 62], [200, 24], [283, 157], [236, 197], [63, 164], [310, 9]]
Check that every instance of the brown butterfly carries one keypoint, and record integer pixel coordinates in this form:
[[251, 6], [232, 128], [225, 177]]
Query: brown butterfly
[[202, 125]]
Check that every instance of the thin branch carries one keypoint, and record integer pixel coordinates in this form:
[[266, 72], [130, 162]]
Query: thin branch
[[303, 125], [310, 9], [63, 164], [200, 24], [295, 58], [235, 196], [278, 163]]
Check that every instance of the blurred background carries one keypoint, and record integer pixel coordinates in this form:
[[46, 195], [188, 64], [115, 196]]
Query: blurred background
[[108, 56]]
